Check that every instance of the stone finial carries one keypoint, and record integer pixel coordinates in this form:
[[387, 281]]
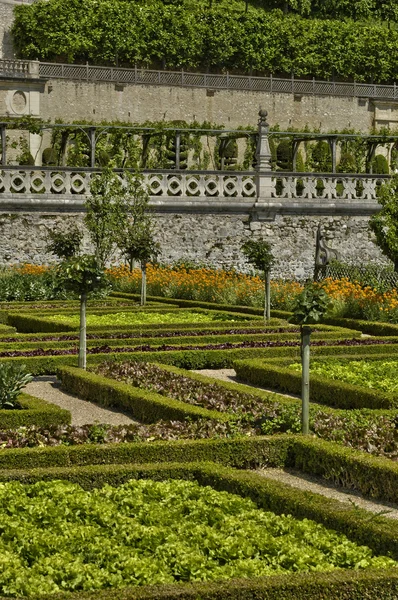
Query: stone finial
[[262, 113]]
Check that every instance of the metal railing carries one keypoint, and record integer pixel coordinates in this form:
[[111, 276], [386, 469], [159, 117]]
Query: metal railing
[[226, 81]]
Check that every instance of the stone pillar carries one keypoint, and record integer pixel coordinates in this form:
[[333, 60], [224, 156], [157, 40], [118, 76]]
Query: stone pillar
[[264, 183], [34, 69]]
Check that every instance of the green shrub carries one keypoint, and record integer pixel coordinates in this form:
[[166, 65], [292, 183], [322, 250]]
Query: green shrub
[[33, 411], [379, 165], [13, 378]]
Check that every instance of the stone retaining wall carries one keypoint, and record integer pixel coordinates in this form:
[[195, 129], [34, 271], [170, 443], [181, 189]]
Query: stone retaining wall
[[213, 239]]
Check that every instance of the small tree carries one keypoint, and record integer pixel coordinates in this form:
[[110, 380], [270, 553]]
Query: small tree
[[384, 224], [105, 208], [83, 275], [135, 237], [65, 242], [258, 253], [310, 307]]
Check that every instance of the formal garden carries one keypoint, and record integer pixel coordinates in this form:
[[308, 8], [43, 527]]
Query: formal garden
[[210, 370]]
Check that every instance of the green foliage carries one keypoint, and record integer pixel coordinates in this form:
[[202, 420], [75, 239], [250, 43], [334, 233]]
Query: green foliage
[[65, 242], [284, 155], [49, 156], [378, 375], [384, 224], [222, 37], [311, 305], [135, 231], [105, 211], [81, 274], [347, 163], [13, 379], [183, 532], [142, 318], [380, 165], [20, 286], [322, 157], [258, 253]]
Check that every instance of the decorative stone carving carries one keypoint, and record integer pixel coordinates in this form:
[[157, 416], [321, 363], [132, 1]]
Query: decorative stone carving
[[19, 102]]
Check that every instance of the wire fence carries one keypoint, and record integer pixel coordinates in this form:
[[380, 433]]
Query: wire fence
[[372, 275]]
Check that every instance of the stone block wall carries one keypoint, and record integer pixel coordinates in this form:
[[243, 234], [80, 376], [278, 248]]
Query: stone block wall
[[74, 101], [212, 239]]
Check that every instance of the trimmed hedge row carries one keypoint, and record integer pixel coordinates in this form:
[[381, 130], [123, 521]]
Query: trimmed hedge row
[[199, 359], [6, 329], [369, 327], [336, 585], [175, 340], [144, 405], [376, 477], [379, 534], [372, 328], [373, 476], [331, 392], [35, 411], [261, 451]]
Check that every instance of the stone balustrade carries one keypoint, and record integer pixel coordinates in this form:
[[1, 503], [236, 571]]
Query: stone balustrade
[[18, 68], [55, 181], [69, 182]]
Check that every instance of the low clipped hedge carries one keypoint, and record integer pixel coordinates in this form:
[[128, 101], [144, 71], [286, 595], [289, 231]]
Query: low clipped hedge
[[373, 476], [369, 327], [4, 328], [255, 334], [34, 411], [276, 375], [199, 359], [336, 585], [144, 405], [270, 451]]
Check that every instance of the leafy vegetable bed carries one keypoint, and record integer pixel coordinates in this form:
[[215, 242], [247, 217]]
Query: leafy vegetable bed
[[255, 414], [379, 375], [138, 318], [55, 536]]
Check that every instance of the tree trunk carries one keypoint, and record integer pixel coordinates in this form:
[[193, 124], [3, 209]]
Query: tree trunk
[[143, 283], [305, 378], [82, 334], [267, 301]]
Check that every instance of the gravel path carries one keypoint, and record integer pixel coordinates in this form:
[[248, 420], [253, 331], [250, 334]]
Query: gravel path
[[230, 375], [317, 485], [83, 412], [308, 482]]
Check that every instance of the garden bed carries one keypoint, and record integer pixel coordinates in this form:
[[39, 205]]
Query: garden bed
[[278, 375], [158, 532], [58, 322], [234, 409]]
